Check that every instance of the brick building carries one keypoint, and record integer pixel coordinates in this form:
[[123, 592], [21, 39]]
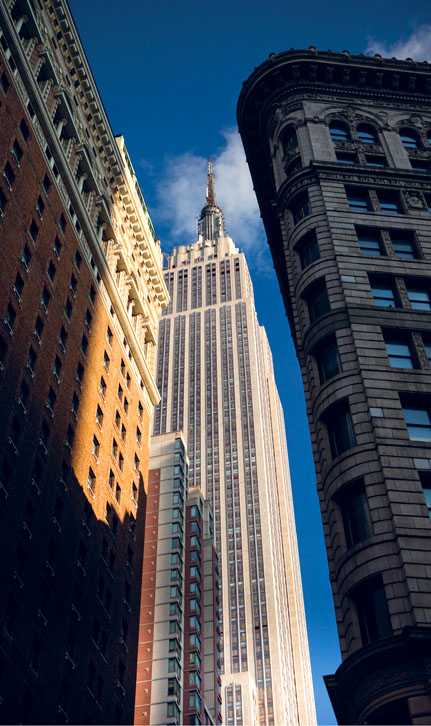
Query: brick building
[[177, 680], [81, 292], [339, 148]]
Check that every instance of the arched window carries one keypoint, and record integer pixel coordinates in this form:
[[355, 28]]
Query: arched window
[[339, 131], [429, 137], [410, 138], [289, 139], [367, 134]]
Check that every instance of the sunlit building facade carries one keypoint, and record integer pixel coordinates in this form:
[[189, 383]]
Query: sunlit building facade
[[339, 148], [81, 292], [215, 376]]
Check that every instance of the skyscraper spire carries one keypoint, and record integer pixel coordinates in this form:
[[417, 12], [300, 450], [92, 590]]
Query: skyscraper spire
[[210, 187], [211, 220]]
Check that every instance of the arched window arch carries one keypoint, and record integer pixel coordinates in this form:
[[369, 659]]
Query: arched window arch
[[367, 134], [289, 139], [339, 131], [410, 138]]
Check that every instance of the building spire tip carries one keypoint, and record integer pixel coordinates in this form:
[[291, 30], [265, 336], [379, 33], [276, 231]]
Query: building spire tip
[[210, 187]]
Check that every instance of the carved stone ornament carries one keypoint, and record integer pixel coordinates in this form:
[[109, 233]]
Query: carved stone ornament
[[279, 115], [423, 358], [414, 200], [416, 121]]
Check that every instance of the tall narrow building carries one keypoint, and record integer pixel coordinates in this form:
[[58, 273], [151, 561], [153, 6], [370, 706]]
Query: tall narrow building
[[215, 376], [81, 290], [339, 149]]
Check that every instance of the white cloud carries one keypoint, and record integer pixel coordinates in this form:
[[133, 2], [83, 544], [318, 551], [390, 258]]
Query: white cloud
[[181, 196], [417, 46]]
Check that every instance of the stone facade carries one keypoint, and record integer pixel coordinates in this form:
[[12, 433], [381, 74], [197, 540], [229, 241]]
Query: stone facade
[[339, 148], [81, 292]]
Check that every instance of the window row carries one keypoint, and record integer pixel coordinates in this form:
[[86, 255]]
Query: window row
[[368, 134], [361, 199]]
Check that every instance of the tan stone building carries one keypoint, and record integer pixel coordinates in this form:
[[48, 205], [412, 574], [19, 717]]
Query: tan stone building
[[214, 372], [339, 149], [81, 292]]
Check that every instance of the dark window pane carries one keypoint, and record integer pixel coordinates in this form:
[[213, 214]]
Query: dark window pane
[[367, 134], [340, 429], [384, 295], [399, 354], [338, 131], [389, 203], [328, 360], [369, 242], [356, 515], [309, 252], [358, 199], [373, 614], [418, 423], [318, 302], [419, 298]]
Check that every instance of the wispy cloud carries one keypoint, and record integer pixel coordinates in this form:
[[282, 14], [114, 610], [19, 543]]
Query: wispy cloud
[[417, 46], [181, 195]]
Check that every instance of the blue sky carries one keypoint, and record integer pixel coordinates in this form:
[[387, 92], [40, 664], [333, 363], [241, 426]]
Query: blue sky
[[169, 74]]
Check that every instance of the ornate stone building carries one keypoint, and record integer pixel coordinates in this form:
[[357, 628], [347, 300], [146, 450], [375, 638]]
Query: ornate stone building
[[81, 292], [339, 149], [215, 376]]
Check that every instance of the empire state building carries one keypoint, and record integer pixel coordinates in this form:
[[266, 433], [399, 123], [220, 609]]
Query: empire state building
[[216, 379]]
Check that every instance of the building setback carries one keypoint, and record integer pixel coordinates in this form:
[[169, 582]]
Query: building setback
[[339, 148], [215, 376], [81, 291], [177, 677]]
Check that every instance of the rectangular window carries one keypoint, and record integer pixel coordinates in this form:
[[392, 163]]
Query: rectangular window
[[399, 353], [40, 206], [356, 514], [46, 183], [318, 301], [384, 294], [425, 477], [403, 245], [9, 175], [373, 614], [3, 201], [18, 286], [340, 429], [16, 152], [389, 202], [51, 271], [418, 423], [369, 241], [73, 283], [309, 252], [25, 133], [300, 208], [358, 199], [419, 297], [421, 165], [26, 257], [91, 482], [4, 82], [346, 158], [99, 416], [46, 297], [328, 360], [376, 161]]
